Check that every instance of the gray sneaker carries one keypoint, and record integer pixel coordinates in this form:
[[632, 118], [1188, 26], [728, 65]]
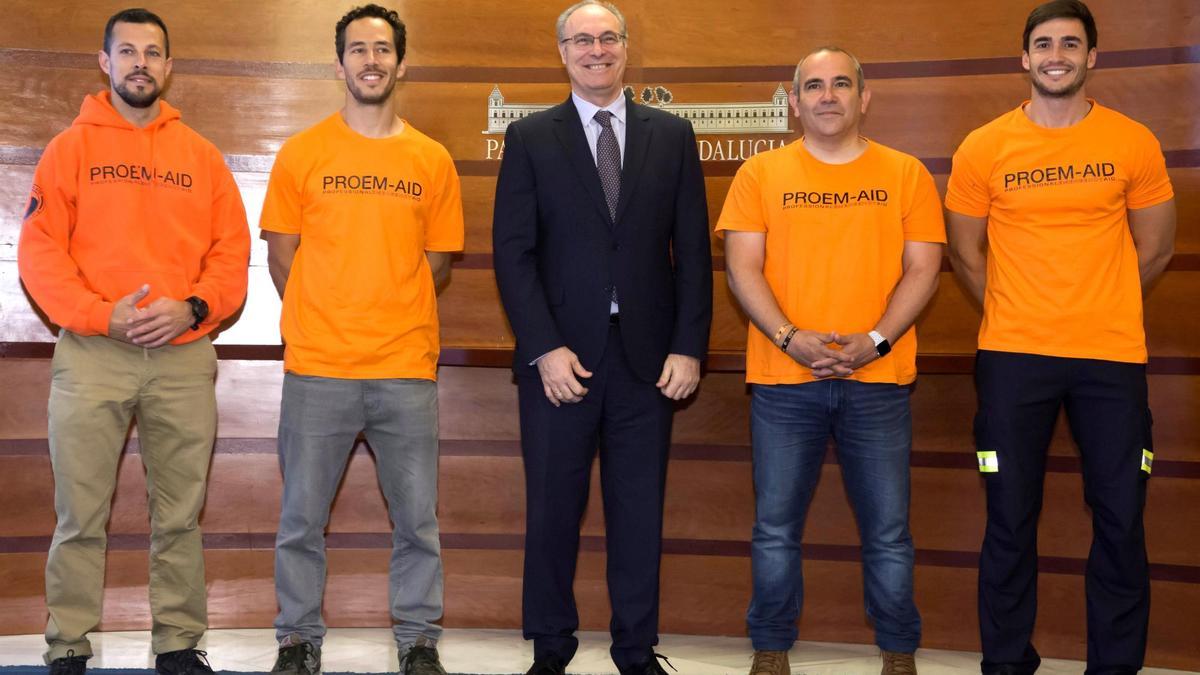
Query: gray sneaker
[[421, 659], [297, 658]]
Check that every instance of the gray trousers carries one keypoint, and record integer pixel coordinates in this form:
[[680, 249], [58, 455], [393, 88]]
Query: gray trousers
[[318, 423]]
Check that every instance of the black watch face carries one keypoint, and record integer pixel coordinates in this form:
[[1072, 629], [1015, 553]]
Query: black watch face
[[199, 308]]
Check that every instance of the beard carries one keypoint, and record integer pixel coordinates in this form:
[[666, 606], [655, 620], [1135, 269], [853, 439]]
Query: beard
[[371, 99], [137, 99], [1067, 91]]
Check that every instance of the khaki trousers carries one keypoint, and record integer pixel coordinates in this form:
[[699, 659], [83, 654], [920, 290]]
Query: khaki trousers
[[98, 385]]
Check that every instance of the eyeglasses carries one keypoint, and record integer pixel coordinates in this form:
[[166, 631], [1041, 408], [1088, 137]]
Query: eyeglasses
[[585, 41]]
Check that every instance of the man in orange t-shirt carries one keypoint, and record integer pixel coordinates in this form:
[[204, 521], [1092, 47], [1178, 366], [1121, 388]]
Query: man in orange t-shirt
[[135, 244], [1061, 215], [361, 214], [844, 237]]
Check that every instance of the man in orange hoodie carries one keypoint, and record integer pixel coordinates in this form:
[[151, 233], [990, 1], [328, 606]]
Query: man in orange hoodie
[[135, 242]]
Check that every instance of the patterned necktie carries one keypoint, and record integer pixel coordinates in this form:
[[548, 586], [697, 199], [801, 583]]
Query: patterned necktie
[[608, 161]]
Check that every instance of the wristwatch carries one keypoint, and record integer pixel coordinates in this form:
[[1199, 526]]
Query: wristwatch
[[882, 346], [199, 311]]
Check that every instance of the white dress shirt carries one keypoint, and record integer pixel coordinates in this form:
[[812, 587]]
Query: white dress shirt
[[591, 128]]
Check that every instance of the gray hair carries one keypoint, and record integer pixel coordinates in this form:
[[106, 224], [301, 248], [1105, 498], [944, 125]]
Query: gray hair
[[858, 71], [562, 18]]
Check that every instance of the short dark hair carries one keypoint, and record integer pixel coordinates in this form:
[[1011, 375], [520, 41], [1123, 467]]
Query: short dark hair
[[371, 11], [1060, 9], [135, 15]]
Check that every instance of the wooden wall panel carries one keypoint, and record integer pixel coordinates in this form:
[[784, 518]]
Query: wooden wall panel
[[480, 404], [1186, 183], [878, 30], [263, 72], [707, 502], [24, 415], [701, 595], [926, 117], [672, 33], [471, 316], [22, 599], [478, 192]]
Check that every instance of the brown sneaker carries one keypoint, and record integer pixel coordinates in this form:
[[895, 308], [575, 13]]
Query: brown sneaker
[[770, 663], [895, 663]]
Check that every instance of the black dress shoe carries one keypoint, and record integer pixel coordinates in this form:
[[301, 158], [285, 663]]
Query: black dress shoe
[[548, 665], [1010, 669], [651, 667]]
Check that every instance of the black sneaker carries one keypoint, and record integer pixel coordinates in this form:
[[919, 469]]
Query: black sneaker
[[69, 664], [301, 658], [183, 662], [421, 659]]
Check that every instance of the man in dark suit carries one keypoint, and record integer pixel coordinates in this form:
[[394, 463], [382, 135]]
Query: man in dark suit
[[602, 259]]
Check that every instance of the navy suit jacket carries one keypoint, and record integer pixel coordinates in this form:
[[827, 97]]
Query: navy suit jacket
[[558, 253]]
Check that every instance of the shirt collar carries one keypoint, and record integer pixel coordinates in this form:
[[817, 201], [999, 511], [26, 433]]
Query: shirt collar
[[587, 110]]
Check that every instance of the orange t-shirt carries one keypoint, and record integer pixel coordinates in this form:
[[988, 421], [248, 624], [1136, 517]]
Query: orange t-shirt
[[360, 301], [1062, 271], [835, 238]]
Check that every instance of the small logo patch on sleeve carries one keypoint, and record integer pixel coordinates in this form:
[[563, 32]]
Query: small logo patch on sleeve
[[988, 462], [36, 202], [1147, 461]]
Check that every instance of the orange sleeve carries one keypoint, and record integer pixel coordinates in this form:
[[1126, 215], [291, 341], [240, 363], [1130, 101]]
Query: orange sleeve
[[281, 206], [222, 281], [967, 190], [922, 218], [444, 230], [1149, 183], [743, 209], [51, 275]]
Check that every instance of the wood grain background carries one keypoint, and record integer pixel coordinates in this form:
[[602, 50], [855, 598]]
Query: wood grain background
[[248, 75]]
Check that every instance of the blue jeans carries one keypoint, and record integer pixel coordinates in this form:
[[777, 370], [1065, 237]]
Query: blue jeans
[[872, 428], [318, 423]]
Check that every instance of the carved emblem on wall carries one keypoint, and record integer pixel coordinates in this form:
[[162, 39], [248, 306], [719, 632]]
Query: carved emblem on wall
[[756, 117]]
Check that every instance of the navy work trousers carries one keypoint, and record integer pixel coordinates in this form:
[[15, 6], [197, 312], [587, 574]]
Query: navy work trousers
[[1020, 396]]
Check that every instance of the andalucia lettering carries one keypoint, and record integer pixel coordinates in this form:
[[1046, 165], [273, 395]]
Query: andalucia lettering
[[1058, 175]]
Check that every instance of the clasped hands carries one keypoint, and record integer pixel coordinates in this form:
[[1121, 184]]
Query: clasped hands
[[816, 351], [561, 371], [151, 326]]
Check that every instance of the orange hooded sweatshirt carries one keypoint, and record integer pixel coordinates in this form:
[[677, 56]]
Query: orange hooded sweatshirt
[[114, 207]]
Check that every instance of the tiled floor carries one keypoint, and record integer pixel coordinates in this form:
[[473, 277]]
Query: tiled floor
[[503, 651]]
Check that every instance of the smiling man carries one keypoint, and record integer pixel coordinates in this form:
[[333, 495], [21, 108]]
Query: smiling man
[[361, 214], [832, 246], [1061, 215], [602, 258], [135, 242]]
